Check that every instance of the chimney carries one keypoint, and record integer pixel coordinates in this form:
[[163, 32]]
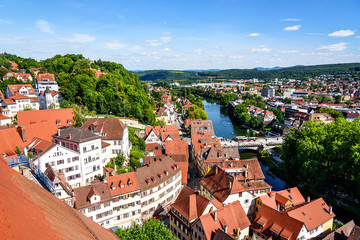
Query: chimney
[[247, 166], [308, 199], [246, 174], [69, 136], [22, 133], [330, 210], [216, 170], [230, 184], [255, 177], [58, 133], [215, 216], [225, 228]]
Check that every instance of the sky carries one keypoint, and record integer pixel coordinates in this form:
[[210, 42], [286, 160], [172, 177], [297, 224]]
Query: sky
[[184, 34]]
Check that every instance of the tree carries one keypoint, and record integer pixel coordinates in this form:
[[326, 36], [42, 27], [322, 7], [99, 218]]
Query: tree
[[3, 71], [335, 114], [150, 229], [256, 122], [18, 150], [119, 160], [287, 100], [278, 113], [81, 114], [65, 104]]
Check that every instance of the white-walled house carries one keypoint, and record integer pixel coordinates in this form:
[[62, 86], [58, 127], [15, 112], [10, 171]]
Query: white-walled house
[[112, 131], [12, 105], [23, 89], [88, 145], [45, 80], [4, 120], [49, 99]]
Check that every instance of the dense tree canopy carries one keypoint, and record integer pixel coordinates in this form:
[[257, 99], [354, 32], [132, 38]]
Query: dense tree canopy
[[151, 229], [318, 154]]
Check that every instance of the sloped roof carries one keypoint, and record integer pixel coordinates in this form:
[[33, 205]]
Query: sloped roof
[[111, 128], [53, 116], [292, 194], [232, 215], [153, 169], [76, 135], [122, 183], [347, 231], [30, 212], [270, 218], [312, 214], [59, 178], [16, 87], [190, 204], [38, 143], [83, 194], [49, 76]]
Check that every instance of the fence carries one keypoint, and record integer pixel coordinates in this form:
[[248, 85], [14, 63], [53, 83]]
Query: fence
[[14, 161]]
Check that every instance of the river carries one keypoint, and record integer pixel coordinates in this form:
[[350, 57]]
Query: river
[[223, 128]]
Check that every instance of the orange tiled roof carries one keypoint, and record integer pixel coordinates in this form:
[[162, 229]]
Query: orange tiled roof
[[111, 128], [51, 116], [16, 87], [292, 194], [22, 201], [123, 183], [49, 76], [232, 215]]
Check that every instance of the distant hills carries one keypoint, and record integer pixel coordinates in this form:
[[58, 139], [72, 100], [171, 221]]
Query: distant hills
[[296, 72]]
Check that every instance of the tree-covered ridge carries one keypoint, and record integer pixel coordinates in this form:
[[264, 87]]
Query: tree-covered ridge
[[298, 72], [320, 154], [119, 92]]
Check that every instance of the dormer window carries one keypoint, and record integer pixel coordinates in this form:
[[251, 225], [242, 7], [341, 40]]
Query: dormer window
[[166, 172], [153, 179], [160, 176], [147, 181]]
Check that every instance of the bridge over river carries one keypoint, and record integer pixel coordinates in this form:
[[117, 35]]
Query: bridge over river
[[260, 143]]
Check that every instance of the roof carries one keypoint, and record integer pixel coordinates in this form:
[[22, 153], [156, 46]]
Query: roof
[[22, 201], [76, 135], [347, 231], [177, 147], [312, 214], [279, 222], [190, 204], [232, 216], [2, 117], [221, 184], [153, 174], [83, 194], [49, 76], [158, 129], [54, 116], [123, 183], [16, 87], [39, 144], [320, 116], [109, 128], [58, 178], [291, 194]]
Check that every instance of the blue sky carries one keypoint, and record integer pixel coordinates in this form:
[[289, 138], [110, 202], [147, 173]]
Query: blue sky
[[183, 34]]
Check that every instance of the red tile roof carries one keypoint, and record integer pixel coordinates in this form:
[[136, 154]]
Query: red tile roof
[[51, 116], [292, 194], [111, 128], [232, 216], [49, 76], [123, 183], [39, 144], [30, 212], [190, 204], [83, 194], [14, 89]]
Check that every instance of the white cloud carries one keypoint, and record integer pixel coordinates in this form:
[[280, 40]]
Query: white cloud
[[342, 33], [167, 50], [153, 42], [291, 20], [293, 28], [115, 45], [44, 26], [4, 21], [165, 39], [357, 37], [261, 49], [289, 51], [236, 57], [12, 39], [81, 38], [254, 34], [149, 53], [334, 47]]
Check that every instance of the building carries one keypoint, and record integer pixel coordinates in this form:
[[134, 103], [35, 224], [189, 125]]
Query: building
[[30, 212], [199, 126], [44, 81], [162, 115], [88, 145], [19, 76], [160, 184], [23, 89], [4, 120], [348, 231], [112, 131], [280, 200], [244, 185], [323, 117], [111, 203], [268, 92], [49, 99], [134, 196], [12, 105], [228, 222], [288, 92], [305, 221], [58, 118], [186, 209], [159, 134]]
